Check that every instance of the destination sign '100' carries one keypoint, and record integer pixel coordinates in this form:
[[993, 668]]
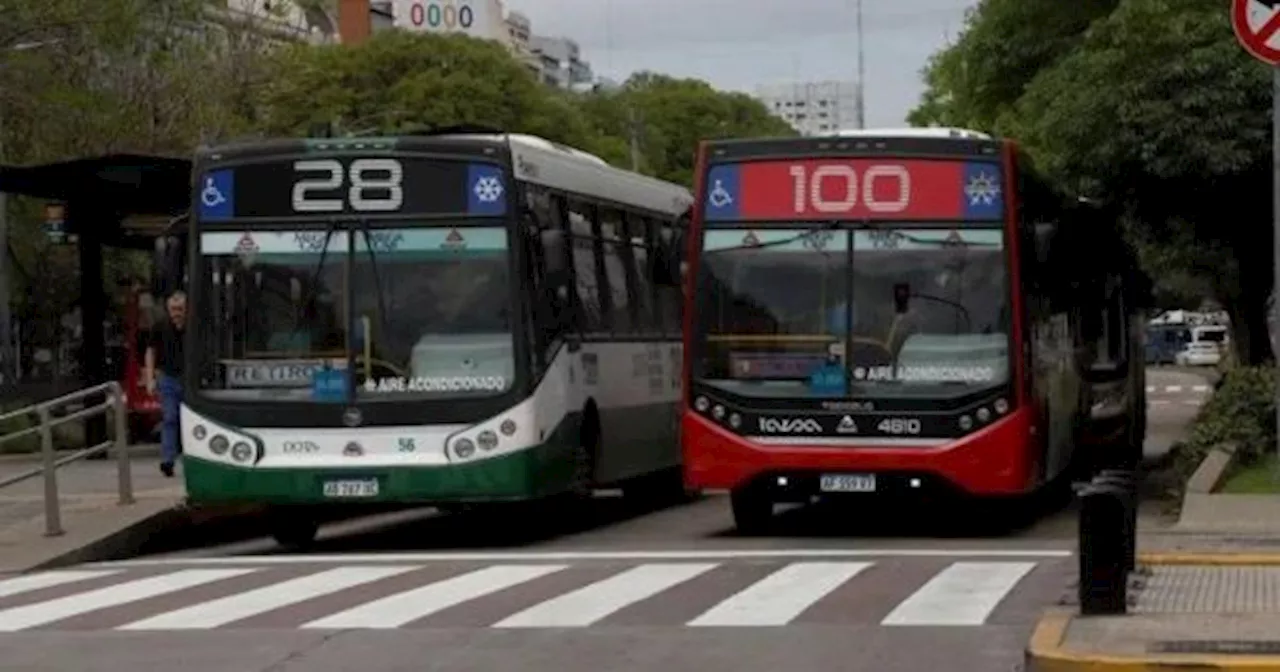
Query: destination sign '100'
[[818, 189], [326, 186]]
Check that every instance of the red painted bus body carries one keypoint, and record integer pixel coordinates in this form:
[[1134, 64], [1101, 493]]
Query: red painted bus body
[[876, 314]]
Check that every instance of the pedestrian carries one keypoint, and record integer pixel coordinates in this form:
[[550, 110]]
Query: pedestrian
[[164, 362]]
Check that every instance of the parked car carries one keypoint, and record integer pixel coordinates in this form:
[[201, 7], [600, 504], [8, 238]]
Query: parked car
[[1199, 354]]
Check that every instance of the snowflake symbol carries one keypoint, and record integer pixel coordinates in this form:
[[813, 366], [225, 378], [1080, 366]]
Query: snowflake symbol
[[488, 189], [982, 188]]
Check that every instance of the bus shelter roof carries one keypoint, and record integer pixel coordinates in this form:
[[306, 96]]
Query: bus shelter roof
[[112, 188]]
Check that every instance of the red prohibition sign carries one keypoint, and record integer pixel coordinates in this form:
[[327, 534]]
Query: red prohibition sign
[[1254, 40]]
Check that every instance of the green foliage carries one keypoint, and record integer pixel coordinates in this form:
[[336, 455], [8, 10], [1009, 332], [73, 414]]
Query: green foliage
[[1242, 411], [671, 116], [1148, 106], [1004, 44]]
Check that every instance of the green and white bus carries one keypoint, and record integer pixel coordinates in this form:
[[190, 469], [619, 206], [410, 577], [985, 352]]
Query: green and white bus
[[454, 318]]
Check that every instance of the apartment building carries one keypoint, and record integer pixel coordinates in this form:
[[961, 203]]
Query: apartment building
[[814, 108]]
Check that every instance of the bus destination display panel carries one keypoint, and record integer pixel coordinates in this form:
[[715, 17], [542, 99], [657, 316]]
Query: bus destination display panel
[[319, 186], [873, 189]]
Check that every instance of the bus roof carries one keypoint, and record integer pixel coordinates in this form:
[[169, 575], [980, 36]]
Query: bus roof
[[534, 159], [920, 143], [912, 132]]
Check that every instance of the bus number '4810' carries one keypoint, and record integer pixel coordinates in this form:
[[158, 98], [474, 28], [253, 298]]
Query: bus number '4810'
[[899, 426]]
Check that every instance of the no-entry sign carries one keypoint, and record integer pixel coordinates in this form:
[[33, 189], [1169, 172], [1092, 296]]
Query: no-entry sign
[[1256, 23]]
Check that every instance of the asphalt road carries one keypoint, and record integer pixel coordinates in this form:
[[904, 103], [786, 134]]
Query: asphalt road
[[608, 587]]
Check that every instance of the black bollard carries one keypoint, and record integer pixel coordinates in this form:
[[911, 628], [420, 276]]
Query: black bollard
[[1129, 481], [1103, 579]]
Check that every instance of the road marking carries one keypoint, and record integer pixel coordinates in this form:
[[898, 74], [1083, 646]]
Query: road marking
[[26, 584], [1172, 388], [233, 608], [40, 613], [1159, 402], [781, 596], [963, 594], [394, 611], [589, 604], [1177, 388], [517, 556]]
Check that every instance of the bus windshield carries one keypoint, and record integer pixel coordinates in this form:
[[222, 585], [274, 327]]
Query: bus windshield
[[430, 313], [919, 310]]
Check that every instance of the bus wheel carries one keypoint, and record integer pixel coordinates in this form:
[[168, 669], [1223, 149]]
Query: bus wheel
[[294, 531], [752, 510]]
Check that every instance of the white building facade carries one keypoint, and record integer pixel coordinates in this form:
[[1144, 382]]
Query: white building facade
[[814, 108]]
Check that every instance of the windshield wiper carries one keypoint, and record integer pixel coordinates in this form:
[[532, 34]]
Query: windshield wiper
[[313, 284], [785, 241], [377, 278]]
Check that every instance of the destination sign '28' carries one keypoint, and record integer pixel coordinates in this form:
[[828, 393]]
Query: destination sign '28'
[[824, 189], [326, 186]]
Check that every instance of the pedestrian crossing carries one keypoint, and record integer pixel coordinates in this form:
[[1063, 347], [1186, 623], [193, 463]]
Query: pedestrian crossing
[[890, 592]]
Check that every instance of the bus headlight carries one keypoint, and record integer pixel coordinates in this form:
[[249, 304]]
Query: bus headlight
[[487, 440], [718, 412], [219, 445], [735, 420], [966, 422], [464, 448], [241, 452], [1002, 406], [508, 427], [983, 415], [199, 432], [702, 404]]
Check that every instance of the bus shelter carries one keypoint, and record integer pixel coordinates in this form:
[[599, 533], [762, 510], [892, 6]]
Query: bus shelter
[[118, 200]]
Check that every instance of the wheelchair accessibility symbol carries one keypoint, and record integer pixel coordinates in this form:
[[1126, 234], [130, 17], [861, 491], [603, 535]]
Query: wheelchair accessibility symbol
[[720, 197], [211, 196], [217, 197]]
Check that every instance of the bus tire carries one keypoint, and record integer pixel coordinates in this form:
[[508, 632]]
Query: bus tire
[[294, 531], [752, 510]]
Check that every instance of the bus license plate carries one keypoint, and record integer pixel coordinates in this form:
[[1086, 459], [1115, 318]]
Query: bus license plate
[[365, 487], [848, 483]]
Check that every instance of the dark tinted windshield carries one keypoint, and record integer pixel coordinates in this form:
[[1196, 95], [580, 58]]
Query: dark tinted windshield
[[887, 310]]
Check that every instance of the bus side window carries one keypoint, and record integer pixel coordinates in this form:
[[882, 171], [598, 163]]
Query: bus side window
[[583, 239], [669, 250]]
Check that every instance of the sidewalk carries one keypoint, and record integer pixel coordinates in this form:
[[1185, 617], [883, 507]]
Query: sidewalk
[[93, 521], [1199, 600]]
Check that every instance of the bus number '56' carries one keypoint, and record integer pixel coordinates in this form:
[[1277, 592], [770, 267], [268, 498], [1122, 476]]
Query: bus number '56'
[[809, 188]]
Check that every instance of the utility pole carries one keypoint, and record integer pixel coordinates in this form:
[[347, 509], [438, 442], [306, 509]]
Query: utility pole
[[633, 132], [862, 74]]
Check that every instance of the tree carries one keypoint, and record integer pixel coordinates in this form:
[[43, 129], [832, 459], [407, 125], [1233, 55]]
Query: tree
[[1159, 113], [130, 75], [400, 81], [973, 82], [670, 117]]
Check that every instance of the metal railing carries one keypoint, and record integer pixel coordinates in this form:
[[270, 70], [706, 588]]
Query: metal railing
[[115, 403]]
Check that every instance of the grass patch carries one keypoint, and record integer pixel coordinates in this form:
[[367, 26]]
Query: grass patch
[[1260, 478]]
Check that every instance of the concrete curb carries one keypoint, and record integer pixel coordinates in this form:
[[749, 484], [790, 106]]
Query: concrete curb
[[1046, 653], [1207, 558], [210, 522]]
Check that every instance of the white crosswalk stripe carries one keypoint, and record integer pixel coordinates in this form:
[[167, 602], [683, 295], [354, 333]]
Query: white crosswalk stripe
[[31, 615], [509, 595], [592, 603], [962, 594], [26, 584], [225, 610], [781, 596], [401, 608]]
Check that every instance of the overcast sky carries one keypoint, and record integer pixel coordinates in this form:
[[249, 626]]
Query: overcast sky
[[738, 44]]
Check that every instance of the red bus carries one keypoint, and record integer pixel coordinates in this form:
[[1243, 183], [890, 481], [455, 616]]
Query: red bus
[[878, 312]]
